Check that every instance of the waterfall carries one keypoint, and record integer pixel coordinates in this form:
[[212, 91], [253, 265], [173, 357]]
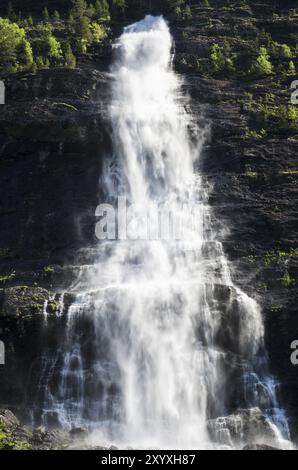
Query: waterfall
[[161, 348]]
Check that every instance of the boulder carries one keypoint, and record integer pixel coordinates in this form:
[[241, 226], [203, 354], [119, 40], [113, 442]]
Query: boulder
[[245, 426]]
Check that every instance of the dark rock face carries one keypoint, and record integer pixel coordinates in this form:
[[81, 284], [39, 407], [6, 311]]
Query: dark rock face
[[249, 425], [259, 447], [257, 207], [13, 436], [54, 135], [21, 302]]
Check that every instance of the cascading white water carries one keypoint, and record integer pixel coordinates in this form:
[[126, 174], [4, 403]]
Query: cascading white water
[[171, 342]]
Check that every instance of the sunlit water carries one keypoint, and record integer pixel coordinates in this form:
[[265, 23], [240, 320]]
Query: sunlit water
[[160, 340]]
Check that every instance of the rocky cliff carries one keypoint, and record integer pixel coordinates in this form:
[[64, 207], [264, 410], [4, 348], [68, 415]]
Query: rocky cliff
[[54, 133]]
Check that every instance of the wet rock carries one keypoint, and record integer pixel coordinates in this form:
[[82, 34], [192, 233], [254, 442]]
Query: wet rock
[[247, 425], [8, 420], [43, 439], [78, 433], [12, 435], [259, 447], [22, 301], [15, 436]]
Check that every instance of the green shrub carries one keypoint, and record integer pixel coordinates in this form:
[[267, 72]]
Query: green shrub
[[78, 9], [280, 51], [48, 270], [69, 57], [257, 135], [250, 173], [101, 10], [187, 12], [262, 65], [45, 14], [222, 58], [56, 16], [120, 4], [268, 113], [287, 281], [46, 45], [7, 277], [291, 68], [98, 32], [176, 6], [15, 51]]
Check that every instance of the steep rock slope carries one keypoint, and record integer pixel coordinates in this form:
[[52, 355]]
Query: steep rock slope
[[54, 133]]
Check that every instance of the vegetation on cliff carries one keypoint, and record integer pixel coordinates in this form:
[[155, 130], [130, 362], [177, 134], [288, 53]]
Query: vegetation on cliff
[[53, 38], [9, 440]]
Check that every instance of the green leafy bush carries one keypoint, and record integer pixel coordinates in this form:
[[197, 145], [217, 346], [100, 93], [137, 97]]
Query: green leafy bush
[[70, 60], [46, 46], [222, 58], [262, 65], [15, 50], [269, 113]]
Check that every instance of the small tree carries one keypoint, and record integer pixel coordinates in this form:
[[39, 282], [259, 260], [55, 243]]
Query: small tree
[[46, 45], [285, 51], [83, 34], [79, 8], [262, 65], [222, 58], [187, 12], [39, 62], [292, 68], [279, 51], [176, 6], [11, 39], [71, 23], [98, 32], [84, 30], [10, 12], [102, 10], [120, 4], [56, 16], [45, 15], [25, 54], [90, 12], [70, 60], [54, 49]]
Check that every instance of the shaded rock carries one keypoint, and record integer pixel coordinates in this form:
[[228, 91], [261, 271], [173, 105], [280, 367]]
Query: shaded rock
[[78, 433], [43, 439], [247, 425], [8, 420], [259, 447], [12, 435], [23, 301]]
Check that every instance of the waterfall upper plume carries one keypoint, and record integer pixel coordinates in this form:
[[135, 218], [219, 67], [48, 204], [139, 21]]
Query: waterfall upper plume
[[163, 350]]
